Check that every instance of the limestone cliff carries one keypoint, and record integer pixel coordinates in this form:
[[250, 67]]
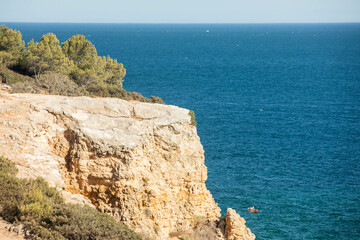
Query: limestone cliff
[[141, 163]]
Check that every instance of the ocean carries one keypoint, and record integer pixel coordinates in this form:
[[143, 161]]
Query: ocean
[[277, 107]]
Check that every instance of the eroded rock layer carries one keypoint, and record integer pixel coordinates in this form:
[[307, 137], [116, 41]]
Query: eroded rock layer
[[141, 163]]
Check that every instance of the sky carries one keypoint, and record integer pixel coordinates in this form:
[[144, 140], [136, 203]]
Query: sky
[[180, 11]]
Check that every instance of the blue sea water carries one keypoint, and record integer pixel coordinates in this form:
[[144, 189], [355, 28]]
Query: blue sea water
[[277, 106]]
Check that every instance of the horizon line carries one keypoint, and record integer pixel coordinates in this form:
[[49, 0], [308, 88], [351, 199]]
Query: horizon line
[[182, 22]]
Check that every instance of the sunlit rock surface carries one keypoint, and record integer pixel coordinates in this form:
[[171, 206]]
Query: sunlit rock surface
[[141, 163]]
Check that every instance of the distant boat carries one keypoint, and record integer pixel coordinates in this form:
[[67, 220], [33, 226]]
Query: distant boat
[[207, 30]]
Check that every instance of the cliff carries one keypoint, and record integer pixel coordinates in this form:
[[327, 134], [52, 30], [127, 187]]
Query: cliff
[[141, 163]]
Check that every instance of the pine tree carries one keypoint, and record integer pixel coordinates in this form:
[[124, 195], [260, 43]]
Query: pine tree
[[11, 45], [89, 67], [46, 56]]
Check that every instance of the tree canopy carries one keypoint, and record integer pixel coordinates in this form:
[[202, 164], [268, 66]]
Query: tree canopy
[[76, 57], [112, 71], [81, 51], [11, 45], [46, 56], [89, 67], [72, 68]]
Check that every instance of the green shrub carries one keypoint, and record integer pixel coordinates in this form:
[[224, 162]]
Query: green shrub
[[43, 212], [10, 77], [39, 200], [70, 221], [7, 167], [11, 191], [19, 83], [11, 195], [155, 99], [192, 115]]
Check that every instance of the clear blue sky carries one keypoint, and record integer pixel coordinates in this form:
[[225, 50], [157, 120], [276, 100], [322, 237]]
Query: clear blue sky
[[176, 11]]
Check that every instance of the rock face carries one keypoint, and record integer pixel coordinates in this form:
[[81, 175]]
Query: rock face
[[235, 227], [141, 163]]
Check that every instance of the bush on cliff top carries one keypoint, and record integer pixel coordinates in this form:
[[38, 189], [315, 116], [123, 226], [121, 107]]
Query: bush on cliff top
[[192, 115], [43, 212]]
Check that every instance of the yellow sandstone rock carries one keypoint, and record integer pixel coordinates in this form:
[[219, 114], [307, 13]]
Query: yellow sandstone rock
[[235, 227], [141, 163]]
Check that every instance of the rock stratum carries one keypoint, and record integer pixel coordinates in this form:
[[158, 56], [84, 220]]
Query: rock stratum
[[141, 163]]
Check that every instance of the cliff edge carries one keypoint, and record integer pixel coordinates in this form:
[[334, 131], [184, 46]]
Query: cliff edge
[[141, 163]]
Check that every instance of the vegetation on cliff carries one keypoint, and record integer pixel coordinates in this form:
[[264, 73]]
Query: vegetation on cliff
[[72, 68], [193, 120], [44, 214]]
